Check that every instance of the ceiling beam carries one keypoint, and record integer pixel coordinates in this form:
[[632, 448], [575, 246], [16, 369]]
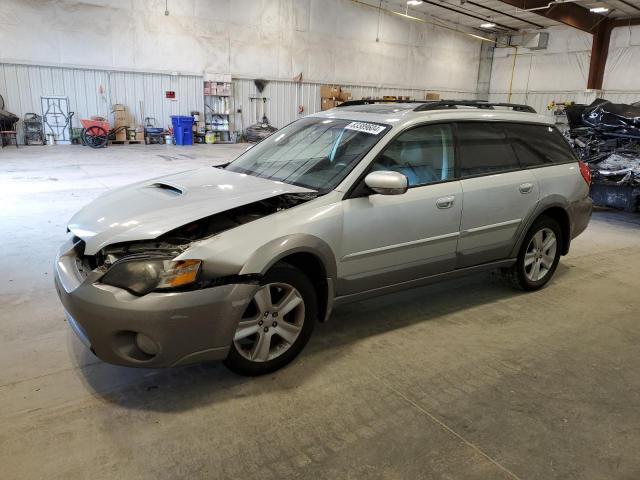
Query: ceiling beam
[[568, 13], [505, 14], [485, 20], [628, 4]]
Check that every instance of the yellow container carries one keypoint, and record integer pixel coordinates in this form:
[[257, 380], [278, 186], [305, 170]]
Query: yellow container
[[210, 137]]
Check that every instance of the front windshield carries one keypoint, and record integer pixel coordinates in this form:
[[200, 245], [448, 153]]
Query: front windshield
[[316, 153]]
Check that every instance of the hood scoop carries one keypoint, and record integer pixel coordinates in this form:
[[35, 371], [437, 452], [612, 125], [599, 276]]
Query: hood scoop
[[167, 188]]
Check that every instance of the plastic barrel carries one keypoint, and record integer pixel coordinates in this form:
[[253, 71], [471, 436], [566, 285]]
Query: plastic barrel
[[182, 129]]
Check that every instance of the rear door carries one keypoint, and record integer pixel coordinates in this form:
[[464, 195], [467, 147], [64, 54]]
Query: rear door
[[498, 195]]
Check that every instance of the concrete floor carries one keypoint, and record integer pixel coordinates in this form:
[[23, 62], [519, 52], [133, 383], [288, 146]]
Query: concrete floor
[[463, 380]]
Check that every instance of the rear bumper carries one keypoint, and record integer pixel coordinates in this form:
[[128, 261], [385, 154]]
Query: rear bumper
[[580, 215], [184, 327]]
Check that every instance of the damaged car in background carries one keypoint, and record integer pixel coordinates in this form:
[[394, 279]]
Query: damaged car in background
[[237, 262], [606, 136]]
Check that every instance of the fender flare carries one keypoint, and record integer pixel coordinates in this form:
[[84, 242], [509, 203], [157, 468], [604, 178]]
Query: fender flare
[[272, 252], [544, 204]]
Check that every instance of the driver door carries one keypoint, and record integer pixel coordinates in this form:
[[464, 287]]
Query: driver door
[[388, 239]]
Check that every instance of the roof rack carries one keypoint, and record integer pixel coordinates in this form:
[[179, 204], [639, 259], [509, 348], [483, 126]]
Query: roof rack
[[349, 103], [445, 104]]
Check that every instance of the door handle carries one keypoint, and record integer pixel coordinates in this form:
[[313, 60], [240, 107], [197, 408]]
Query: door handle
[[445, 202], [526, 187]]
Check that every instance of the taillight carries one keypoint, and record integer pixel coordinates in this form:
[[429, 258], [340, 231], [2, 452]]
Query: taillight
[[586, 173]]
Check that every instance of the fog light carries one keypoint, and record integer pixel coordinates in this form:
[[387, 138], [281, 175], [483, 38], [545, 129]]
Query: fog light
[[147, 345]]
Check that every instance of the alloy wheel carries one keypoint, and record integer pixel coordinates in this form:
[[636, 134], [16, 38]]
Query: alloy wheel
[[540, 254], [271, 324]]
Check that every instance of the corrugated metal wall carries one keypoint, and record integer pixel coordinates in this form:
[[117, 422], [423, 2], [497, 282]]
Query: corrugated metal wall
[[92, 92], [144, 95], [284, 98]]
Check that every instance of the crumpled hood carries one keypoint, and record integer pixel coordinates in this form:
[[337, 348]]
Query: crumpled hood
[[148, 209]]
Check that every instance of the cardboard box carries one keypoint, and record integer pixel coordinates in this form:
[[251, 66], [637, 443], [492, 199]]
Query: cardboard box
[[120, 118], [330, 91], [139, 135], [432, 96], [328, 103], [345, 96], [121, 135]]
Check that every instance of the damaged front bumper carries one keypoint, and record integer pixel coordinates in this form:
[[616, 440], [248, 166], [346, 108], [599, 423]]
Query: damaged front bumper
[[154, 330]]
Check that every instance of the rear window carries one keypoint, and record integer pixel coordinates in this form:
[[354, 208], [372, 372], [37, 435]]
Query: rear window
[[484, 148], [537, 145]]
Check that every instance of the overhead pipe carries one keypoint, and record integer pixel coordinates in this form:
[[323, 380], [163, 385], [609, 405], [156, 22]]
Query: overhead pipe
[[549, 5]]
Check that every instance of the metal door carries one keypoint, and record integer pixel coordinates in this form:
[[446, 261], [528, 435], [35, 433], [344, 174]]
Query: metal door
[[56, 118]]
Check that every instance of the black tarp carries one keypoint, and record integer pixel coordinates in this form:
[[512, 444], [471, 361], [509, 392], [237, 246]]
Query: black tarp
[[7, 119]]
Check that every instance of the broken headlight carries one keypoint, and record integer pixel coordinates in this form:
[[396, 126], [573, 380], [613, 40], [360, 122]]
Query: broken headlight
[[143, 275]]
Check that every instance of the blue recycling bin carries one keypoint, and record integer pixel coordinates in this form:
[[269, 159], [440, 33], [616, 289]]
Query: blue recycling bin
[[182, 129]]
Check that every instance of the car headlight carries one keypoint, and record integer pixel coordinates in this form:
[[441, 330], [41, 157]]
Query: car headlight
[[141, 276]]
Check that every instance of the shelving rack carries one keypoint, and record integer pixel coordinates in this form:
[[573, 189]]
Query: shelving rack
[[218, 108]]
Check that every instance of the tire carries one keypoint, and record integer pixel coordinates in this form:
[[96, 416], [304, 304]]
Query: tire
[[536, 249], [95, 136], [262, 323]]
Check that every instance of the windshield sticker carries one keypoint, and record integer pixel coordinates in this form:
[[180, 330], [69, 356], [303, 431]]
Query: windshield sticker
[[365, 127]]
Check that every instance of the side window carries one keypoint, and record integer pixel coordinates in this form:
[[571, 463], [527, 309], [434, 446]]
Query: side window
[[538, 144], [484, 148], [423, 154]]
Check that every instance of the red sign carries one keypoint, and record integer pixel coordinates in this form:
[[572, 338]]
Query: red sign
[[170, 94]]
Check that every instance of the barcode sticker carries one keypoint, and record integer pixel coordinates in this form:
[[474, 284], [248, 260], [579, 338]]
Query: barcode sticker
[[365, 127]]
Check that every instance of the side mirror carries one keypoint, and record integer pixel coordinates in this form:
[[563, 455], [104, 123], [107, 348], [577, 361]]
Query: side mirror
[[387, 182]]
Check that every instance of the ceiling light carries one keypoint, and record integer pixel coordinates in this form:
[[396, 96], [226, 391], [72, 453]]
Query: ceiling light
[[598, 9], [414, 2], [487, 25]]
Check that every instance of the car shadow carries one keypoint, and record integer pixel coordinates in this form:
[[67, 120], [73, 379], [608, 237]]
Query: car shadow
[[185, 388]]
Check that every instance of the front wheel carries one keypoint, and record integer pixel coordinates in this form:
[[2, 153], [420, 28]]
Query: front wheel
[[277, 323], [538, 256]]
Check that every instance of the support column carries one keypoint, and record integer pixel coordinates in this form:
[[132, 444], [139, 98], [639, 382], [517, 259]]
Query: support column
[[599, 53]]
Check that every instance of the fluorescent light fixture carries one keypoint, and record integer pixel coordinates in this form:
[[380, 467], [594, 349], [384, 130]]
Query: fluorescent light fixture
[[599, 9], [413, 3], [487, 25]]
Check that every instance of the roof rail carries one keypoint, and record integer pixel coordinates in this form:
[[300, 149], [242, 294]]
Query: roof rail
[[444, 104], [372, 101]]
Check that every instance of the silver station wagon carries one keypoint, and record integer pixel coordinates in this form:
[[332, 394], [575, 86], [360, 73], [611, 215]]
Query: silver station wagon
[[237, 262]]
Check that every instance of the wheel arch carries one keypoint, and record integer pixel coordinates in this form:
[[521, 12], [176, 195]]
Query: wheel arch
[[306, 252], [556, 208], [561, 216]]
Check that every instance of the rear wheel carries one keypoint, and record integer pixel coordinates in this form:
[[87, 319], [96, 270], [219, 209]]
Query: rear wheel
[[277, 323], [538, 256]]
